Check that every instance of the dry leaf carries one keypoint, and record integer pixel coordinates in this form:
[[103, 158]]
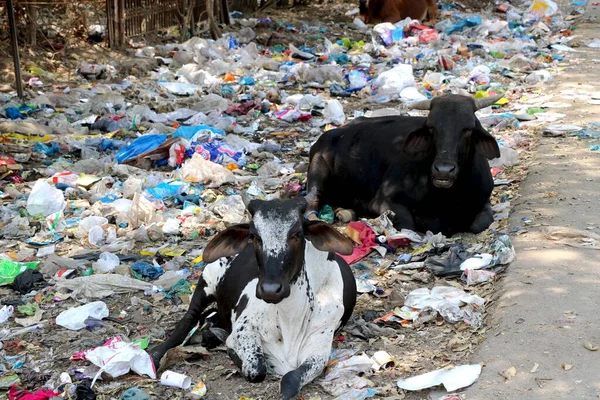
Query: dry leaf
[[567, 367], [180, 354], [590, 346], [509, 373]]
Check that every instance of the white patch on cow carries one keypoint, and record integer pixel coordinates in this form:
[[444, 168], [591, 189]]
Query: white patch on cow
[[273, 230], [290, 333], [213, 273]]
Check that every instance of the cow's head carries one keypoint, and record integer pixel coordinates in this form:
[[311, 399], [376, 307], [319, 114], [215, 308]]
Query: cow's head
[[454, 133], [278, 232]]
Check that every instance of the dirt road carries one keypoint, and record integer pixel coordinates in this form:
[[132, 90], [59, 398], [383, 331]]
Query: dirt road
[[549, 307]]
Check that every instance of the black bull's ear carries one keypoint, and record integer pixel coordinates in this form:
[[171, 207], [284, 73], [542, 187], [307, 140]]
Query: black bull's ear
[[326, 238], [418, 141], [229, 242], [485, 143]]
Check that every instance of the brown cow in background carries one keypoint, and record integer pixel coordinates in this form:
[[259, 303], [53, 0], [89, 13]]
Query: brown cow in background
[[378, 11]]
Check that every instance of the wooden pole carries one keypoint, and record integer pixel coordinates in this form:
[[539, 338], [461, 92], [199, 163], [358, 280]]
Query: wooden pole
[[33, 14], [15, 46]]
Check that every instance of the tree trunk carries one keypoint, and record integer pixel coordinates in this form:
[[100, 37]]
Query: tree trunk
[[215, 32]]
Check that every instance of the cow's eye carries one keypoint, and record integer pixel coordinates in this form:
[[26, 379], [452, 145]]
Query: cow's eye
[[255, 238], [296, 235]]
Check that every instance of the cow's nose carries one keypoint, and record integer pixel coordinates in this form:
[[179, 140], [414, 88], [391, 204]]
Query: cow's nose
[[271, 288], [445, 168]]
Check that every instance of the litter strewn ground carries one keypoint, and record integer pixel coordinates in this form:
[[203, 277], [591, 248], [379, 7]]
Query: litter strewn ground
[[111, 187]]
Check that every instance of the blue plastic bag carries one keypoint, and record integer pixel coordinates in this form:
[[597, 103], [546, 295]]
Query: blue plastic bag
[[140, 146], [13, 113], [165, 190], [147, 270], [188, 132], [467, 22]]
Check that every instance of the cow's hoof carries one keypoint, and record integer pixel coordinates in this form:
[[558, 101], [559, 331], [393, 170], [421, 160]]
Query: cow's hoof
[[156, 355], [344, 215], [290, 384], [483, 220]]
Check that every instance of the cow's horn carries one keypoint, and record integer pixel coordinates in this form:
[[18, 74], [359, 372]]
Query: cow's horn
[[310, 197], [420, 105], [486, 101]]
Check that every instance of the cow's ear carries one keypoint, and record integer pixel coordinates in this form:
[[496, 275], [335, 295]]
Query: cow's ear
[[485, 143], [417, 141], [326, 238], [227, 243]]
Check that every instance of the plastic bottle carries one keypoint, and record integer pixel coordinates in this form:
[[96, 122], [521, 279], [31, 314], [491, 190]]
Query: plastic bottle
[[74, 318]]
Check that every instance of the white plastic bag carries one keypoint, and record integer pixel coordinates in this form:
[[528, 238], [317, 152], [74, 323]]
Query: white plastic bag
[[44, 199], [106, 263], [101, 286], [74, 318], [334, 113], [197, 169], [395, 79], [5, 313]]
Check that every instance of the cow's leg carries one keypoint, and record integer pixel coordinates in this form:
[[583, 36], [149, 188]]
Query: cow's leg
[[402, 217], [247, 354], [483, 219], [318, 172], [200, 300], [293, 381]]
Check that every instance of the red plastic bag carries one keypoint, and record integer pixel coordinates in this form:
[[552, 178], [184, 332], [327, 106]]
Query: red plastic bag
[[17, 393]]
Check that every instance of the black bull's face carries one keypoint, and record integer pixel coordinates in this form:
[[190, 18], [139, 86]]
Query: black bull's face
[[453, 133]]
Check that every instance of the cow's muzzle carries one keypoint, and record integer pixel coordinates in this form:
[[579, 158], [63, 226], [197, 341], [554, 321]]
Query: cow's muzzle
[[272, 292], [443, 174]]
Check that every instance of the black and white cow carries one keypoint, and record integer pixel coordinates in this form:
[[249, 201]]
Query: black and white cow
[[280, 291]]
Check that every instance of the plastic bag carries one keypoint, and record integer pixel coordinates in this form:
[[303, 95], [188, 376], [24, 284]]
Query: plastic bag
[[117, 358], [9, 270], [44, 199], [165, 190], [107, 262], [197, 169], [142, 212], [217, 152], [147, 270], [334, 113], [467, 22], [395, 79], [452, 379], [74, 318], [508, 157], [101, 286], [5, 313], [540, 9], [139, 146], [231, 209]]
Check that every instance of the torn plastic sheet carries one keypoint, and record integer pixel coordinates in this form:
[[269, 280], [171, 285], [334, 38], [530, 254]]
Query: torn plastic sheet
[[452, 379]]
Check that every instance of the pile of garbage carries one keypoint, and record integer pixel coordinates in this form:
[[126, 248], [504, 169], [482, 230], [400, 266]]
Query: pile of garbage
[[110, 189]]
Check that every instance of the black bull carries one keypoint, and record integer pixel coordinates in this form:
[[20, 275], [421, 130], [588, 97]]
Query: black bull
[[432, 172]]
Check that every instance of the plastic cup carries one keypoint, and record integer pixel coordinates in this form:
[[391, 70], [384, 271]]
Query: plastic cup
[[383, 360], [171, 378]]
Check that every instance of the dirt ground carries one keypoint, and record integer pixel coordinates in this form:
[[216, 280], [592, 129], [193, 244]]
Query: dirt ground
[[549, 306]]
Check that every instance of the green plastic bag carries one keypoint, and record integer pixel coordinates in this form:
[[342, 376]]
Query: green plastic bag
[[10, 269]]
